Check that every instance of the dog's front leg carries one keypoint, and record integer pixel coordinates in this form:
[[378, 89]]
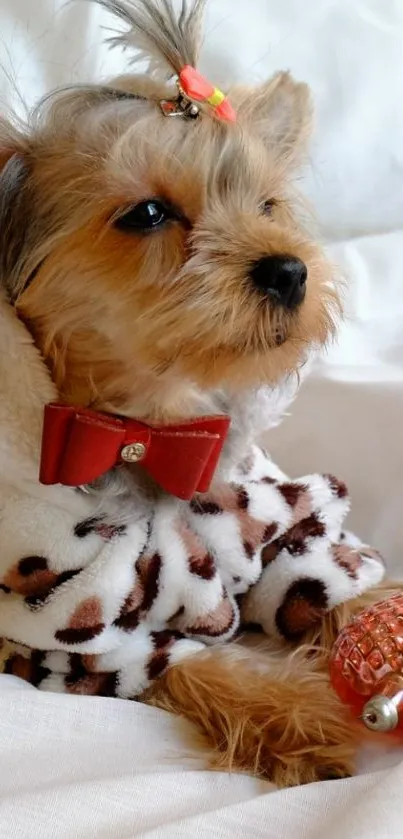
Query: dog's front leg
[[266, 712]]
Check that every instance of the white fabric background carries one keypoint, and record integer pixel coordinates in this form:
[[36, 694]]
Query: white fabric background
[[80, 768]]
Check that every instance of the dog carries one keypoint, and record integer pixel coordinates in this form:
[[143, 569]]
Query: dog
[[155, 250]]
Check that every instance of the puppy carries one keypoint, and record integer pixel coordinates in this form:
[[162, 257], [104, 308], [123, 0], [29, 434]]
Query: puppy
[[157, 254]]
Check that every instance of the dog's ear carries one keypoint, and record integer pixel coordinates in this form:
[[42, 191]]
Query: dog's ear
[[15, 207], [12, 143], [280, 111]]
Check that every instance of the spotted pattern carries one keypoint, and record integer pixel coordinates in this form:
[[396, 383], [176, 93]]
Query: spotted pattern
[[303, 606], [32, 578], [235, 524], [97, 524], [85, 623]]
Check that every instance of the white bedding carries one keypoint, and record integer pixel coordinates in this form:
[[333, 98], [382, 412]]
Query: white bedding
[[80, 768]]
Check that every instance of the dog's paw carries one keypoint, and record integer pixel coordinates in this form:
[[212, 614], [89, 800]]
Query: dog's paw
[[276, 718], [321, 749]]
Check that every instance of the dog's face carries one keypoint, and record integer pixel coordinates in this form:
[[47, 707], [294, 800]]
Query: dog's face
[[155, 258]]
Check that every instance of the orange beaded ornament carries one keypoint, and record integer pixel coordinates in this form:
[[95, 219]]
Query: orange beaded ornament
[[366, 665]]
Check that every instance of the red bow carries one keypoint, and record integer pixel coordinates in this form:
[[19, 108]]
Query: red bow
[[79, 445]]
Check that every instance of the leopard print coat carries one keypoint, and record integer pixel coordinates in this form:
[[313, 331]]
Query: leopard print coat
[[98, 597]]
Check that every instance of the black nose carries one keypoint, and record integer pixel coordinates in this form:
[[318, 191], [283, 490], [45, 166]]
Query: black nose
[[283, 278]]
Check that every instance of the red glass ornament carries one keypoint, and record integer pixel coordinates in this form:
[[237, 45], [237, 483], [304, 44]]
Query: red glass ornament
[[366, 665]]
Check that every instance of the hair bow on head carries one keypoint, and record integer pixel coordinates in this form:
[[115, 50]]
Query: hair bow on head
[[198, 89], [194, 87]]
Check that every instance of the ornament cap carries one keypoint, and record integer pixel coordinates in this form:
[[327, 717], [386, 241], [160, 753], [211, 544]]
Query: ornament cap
[[380, 714]]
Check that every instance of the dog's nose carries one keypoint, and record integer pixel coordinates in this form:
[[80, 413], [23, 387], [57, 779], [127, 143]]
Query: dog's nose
[[283, 278]]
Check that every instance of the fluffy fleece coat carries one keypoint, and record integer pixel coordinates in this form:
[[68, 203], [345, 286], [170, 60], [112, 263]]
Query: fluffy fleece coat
[[100, 592]]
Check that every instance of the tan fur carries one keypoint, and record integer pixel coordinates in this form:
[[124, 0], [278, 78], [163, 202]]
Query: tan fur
[[198, 323], [277, 719], [268, 711], [151, 325]]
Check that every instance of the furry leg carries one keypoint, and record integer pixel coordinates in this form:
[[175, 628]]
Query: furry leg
[[271, 714]]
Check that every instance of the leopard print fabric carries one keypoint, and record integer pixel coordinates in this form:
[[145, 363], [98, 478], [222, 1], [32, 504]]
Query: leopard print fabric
[[119, 604], [99, 600]]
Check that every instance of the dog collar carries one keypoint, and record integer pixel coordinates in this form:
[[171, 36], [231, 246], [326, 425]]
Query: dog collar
[[80, 445]]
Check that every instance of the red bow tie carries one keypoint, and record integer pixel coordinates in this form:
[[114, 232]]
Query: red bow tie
[[79, 445]]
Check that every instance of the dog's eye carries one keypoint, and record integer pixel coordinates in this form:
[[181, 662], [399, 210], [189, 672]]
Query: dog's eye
[[267, 207], [144, 216]]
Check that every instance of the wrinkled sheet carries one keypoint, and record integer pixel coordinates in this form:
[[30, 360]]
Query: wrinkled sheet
[[81, 768]]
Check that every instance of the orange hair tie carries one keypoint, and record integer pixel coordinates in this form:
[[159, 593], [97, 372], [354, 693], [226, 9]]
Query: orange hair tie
[[197, 88]]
